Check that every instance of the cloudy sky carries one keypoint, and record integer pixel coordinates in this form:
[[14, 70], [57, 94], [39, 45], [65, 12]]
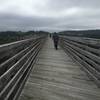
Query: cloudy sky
[[49, 15]]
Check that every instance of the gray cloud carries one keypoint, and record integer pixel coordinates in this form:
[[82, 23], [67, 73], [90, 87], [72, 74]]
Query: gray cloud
[[63, 4], [49, 15]]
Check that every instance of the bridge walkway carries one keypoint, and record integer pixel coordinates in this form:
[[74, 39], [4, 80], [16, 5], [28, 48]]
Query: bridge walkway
[[56, 76]]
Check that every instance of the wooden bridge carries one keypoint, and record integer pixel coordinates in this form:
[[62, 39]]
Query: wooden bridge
[[69, 73]]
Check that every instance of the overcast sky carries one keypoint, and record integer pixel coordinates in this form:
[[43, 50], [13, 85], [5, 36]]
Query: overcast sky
[[49, 15]]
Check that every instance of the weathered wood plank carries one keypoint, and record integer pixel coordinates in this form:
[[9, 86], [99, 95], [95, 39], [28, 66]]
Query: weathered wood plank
[[57, 77]]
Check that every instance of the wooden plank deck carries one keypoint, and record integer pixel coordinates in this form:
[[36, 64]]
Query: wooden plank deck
[[57, 77]]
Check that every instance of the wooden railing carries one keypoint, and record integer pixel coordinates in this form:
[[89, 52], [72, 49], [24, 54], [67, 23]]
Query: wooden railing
[[17, 61], [86, 52]]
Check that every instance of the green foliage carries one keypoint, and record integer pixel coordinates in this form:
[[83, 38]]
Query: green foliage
[[11, 36], [83, 33]]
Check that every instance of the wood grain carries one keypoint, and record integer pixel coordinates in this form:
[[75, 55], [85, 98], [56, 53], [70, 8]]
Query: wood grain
[[57, 77]]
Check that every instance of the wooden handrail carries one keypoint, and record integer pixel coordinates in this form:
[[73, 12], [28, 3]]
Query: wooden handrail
[[13, 77], [87, 56]]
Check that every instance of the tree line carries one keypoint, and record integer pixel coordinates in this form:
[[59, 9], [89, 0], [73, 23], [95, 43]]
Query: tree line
[[82, 33], [11, 36]]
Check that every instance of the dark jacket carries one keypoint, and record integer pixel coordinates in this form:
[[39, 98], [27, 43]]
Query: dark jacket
[[55, 38]]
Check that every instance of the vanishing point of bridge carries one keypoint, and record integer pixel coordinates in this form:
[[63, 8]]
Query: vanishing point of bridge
[[36, 71]]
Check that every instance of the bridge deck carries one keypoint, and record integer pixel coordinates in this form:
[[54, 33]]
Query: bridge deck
[[57, 77]]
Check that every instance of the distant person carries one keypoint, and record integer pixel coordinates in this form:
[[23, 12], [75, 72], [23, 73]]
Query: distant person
[[50, 35], [56, 40]]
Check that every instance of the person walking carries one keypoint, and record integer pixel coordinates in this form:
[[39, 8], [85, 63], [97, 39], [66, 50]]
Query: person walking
[[50, 35], [55, 40]]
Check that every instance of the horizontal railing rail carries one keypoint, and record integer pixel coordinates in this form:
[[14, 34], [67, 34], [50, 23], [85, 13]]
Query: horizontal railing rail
[[87, 41], [10, 49], [15, 70], [86, 55]]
